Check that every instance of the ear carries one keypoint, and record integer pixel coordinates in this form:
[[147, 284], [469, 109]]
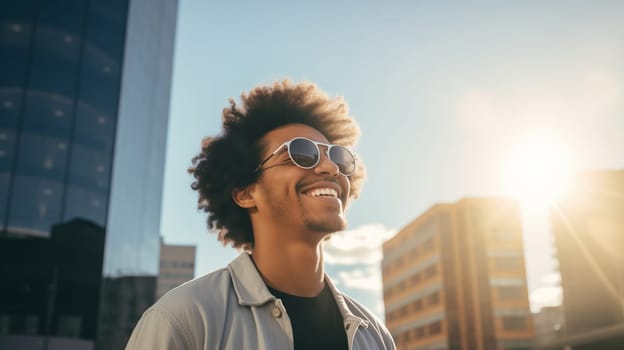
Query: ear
[[243, 197]]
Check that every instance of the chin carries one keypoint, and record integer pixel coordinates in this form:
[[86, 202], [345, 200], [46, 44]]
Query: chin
[[329, 226]]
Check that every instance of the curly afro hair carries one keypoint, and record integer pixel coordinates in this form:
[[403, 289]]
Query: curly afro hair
[[228, 161]]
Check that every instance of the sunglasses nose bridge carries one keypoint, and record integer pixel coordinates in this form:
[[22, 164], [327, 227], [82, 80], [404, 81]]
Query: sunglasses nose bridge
[[325, 165], [325, 151]]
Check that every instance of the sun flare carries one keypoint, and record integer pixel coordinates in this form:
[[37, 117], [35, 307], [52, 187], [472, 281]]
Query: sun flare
[[537, 172]]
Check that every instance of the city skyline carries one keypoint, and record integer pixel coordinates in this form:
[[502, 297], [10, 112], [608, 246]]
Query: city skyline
[[444, 94]]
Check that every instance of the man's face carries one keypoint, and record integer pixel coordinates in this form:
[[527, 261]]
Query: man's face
[[300, 199]]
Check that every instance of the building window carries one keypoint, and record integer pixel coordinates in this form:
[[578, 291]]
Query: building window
[[510, 293], [69, 326], [419, 332], [402, 285], [417, 305], [4, 323], [413, 334], [415, 279], [405, 336], [508, 263], [435, 328], [26, 325], [514, 323], [430, 271], [434, 298], [414, 253], [403, 311]]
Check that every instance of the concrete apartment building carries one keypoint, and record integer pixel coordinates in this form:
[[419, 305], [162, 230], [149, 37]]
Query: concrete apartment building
[[454, 278], [177, 265], [588, 225]]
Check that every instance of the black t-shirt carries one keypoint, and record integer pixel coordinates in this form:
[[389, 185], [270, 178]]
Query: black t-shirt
[[316, 322]]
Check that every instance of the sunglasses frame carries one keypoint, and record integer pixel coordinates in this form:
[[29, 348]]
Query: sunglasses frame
[[318, 160]]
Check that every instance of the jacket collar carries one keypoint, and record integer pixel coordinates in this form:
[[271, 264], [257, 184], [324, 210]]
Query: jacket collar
[[251, 290], [347, 315], [248, 284]]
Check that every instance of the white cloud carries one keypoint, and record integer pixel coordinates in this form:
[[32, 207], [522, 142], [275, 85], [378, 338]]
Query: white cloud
[[379, 309], [368, 279], [358, 246], [354, 258]]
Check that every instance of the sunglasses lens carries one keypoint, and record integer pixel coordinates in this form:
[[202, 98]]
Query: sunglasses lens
[[304, 153], [343, 158]]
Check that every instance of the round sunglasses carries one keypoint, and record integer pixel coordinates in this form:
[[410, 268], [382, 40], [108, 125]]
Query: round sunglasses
[[305, 153]]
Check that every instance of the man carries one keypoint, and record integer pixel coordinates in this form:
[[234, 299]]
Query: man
[[275, 183]]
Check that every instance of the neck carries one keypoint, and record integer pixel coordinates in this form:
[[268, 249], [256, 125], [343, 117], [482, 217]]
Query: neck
[[297, 268]]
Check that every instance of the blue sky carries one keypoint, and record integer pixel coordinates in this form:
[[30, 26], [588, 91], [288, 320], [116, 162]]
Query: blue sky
[[442, 92]]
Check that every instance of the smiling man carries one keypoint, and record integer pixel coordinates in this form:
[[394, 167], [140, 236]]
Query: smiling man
[[275, 183]]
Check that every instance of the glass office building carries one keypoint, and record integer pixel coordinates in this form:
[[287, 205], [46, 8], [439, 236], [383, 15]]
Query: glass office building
[[84, 102]]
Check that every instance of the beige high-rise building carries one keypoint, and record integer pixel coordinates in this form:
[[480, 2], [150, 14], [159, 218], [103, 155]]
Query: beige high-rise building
[[588, 225], [454, 278], [177, 265]]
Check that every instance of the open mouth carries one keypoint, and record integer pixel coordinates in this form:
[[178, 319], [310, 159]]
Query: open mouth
[[322, 192]]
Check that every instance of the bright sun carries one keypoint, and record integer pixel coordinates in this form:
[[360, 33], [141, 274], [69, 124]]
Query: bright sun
[[537, 171]]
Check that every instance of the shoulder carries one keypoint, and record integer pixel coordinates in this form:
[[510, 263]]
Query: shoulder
[[197, 295], [360, 310], [374, 323], [190, 314]]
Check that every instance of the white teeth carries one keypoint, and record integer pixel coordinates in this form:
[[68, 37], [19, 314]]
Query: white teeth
[[330, 192]]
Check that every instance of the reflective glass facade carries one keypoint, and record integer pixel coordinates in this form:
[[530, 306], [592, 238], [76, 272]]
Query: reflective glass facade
[[65, 100]]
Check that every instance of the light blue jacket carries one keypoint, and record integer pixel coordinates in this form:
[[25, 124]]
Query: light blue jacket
[[232, 309]]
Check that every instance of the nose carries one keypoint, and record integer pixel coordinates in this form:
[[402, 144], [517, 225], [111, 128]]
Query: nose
[[326, 166]]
